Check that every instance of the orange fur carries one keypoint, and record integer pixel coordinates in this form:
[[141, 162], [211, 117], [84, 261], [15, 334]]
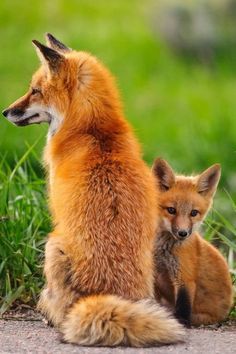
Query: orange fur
[[189, 263], [103, 201]]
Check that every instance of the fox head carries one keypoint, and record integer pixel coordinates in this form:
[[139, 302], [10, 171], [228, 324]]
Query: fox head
[[184, 201], [67, 82]]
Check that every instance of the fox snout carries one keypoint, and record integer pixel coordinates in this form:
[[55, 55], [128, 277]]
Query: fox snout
[[17, 116], [5, 112], [181, 233], [14, 112]]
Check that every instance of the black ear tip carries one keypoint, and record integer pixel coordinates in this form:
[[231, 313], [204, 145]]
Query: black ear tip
[[159, 166], [37, 43], [55, 43], [49, 35]]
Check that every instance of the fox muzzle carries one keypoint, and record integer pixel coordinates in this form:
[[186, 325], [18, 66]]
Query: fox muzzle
[[22, 118]]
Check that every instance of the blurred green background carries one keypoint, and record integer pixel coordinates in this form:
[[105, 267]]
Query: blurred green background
[[175, 66], [181, 109]]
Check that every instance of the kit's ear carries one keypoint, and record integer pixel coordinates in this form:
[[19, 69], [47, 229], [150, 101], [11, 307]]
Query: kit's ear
[[54, 43], [48, 56], [208, 180], [164, 174]]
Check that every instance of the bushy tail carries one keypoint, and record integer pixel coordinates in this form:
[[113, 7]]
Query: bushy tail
[[107, 320]]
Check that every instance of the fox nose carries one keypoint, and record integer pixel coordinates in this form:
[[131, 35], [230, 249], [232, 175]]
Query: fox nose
[[14, 112], [182, 233], [5, 112]]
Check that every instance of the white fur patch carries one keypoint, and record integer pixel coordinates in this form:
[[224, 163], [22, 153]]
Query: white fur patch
[[196, 226], [36, 109], [167, 224], [40, 114], [56, 120]]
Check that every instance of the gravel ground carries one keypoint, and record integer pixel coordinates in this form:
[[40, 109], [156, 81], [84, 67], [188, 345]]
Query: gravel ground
[[27, 336]]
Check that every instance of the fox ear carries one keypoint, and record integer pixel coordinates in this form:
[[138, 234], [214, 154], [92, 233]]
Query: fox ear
[[164, 174], [208, 180], [54, 43], [49, 56]]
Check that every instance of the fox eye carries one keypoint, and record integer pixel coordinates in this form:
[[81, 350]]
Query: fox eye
[[35, 91], [194, 212], [171, 210]]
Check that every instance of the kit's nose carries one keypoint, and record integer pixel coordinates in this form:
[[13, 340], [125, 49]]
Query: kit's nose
[[182, 233], [5, 112]]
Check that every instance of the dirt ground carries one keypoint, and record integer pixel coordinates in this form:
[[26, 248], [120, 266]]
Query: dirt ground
[[28, 333]]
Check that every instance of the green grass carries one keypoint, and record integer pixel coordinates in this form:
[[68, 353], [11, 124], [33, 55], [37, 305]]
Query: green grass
[[25, 222], [180, 110]]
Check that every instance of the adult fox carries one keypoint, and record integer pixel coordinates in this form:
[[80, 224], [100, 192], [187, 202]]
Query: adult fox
[[99, 258], [191, 274]]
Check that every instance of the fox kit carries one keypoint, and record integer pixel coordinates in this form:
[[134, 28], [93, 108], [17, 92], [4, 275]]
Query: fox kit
[[99, 258], [191, 274]]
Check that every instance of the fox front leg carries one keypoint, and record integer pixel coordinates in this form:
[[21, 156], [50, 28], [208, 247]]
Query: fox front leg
[[184, 299], [183, 306]]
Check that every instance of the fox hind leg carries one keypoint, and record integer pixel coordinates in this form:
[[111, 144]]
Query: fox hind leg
[[203, 318]]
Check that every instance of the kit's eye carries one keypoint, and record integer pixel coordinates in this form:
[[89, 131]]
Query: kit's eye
[[171, 210], [194, 212], [35, 91]]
